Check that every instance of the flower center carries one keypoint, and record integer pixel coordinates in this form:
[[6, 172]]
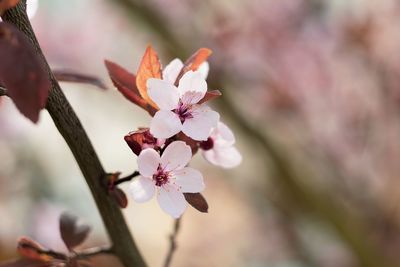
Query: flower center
[[183, 111], [161, 177], [208, 144]]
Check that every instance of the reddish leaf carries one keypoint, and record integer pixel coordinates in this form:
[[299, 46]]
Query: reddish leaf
[[149, 67], [71, 233], [197, 201], [22, 72], [210, 95], [194, 62], [70, 76], [7, 4], [25, 263], [120, 197], [140, 138], [125, 82], [30, 249]]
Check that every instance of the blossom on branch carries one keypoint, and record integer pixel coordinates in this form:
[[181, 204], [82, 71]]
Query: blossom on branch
[[168, 176], [219, 148], [179, 108]]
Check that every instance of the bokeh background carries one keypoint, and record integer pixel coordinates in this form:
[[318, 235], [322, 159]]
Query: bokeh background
[[311, 89]]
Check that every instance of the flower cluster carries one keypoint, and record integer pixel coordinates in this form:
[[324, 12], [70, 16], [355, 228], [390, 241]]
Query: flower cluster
[[182, 123]]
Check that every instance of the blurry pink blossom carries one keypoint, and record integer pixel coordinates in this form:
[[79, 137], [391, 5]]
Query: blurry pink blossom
[[219, 148]]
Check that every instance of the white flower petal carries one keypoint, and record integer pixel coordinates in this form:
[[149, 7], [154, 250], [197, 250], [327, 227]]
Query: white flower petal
[[172, 70], [223, 156], [189, 180], [199, 127], [176, 156], [165, 124], [204, 69], [171, 200], [163, 93], [142, 189], [148, 162], [192, 87], [223, 135]]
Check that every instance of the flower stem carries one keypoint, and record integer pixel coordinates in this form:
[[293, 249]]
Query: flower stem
[[127, 178], [172, 243]]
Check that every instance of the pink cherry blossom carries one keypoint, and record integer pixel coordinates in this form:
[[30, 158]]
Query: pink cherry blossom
[[172, 70], [168, 176], [219, 148], [179, 108]]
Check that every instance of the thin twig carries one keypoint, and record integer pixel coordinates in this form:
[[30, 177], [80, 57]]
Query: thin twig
[[172, 243], [127, 178], [93, 252]]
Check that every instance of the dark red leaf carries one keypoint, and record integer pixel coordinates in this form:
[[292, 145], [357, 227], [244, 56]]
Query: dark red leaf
[[140, 138], [7, 4], [197, 201], [71, 233], [125, 82], [70, 76], [210, 95], [22, 72], [119, 196]]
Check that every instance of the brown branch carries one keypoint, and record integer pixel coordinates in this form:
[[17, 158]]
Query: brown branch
[[76, 138], [172, 243]]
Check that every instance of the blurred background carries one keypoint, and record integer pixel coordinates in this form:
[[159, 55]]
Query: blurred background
[[311, 90]]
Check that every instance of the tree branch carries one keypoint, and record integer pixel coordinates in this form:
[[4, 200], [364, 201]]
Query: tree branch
[[74, 134], [172, 243]]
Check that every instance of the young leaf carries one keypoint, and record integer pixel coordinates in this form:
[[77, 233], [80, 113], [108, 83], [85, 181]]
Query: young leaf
[[70, 76], [197, 201], [7, 4], [138, 139], [194, 62], [71, 233], [125, 82], [22, 72], [31, 250], [210, 95], [150, 67]]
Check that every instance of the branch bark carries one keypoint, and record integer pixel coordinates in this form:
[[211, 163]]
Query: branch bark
[[74, 134]]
